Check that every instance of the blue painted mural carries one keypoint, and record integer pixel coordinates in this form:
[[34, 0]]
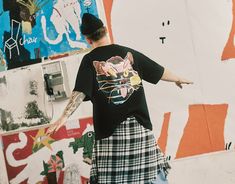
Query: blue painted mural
[[33, 29]]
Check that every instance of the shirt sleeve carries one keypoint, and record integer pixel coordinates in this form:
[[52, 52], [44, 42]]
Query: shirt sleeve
[[84, 80], [150, 70]]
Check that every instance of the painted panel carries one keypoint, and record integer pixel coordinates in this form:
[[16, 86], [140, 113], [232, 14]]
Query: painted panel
[[36, 157], [36, 29]]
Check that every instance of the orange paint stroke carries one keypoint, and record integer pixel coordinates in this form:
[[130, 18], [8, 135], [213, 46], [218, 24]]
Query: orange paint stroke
[[108, 9], [162, 140], [229, 49], [204, 131]]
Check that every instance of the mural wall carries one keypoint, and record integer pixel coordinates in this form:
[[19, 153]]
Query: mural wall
[[193, 39]]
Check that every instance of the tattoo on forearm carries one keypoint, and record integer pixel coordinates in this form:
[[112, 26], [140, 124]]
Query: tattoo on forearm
[[75, 100]]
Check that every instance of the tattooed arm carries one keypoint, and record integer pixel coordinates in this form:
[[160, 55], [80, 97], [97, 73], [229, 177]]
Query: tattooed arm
[[75, 100]]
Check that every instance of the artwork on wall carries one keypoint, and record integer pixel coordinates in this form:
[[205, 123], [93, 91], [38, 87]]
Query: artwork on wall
[[60, 158], [30, 99], [36, 29]]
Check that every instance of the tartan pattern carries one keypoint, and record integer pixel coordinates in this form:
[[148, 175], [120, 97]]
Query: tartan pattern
[[128, 156]]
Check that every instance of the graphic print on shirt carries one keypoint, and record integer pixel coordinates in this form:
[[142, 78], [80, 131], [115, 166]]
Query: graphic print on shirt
[[116, 78]]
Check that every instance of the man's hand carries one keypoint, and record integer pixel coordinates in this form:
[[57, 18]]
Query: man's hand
[[170, 77], [75, 100], [182, 81], [55, 126]]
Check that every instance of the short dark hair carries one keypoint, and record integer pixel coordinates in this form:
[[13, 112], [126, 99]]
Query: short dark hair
[[97, 35]]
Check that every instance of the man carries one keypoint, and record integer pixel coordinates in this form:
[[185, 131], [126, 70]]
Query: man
[[111, 77]]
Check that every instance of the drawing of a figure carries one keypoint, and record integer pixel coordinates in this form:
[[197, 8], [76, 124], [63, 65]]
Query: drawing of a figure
[[66, 18], [72, 175]]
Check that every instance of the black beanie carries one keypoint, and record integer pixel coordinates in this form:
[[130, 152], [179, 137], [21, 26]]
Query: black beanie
[[90, 24]]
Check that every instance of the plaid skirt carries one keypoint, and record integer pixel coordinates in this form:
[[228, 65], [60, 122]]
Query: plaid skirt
[[130, 155]]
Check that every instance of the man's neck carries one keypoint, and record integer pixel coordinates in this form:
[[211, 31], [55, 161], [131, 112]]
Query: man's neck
[[102, 42]]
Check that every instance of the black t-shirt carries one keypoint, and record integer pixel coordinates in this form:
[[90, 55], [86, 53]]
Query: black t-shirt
[[111, 77]]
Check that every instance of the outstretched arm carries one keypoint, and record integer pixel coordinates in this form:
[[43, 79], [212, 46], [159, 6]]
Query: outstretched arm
[[75, 100], [170, 77]]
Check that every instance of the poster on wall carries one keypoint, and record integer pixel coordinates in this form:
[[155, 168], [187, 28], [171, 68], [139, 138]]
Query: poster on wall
[[34, 29], [28, 106], [34, 156]]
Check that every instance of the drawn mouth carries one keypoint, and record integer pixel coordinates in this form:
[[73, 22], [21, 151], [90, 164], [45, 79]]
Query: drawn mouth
[[163, 38]]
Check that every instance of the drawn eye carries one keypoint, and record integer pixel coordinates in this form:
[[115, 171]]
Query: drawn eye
[[168, 23], [126, 73], [89, 134]]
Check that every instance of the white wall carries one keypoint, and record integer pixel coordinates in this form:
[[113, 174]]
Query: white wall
[[195, 39], [217, 168]]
